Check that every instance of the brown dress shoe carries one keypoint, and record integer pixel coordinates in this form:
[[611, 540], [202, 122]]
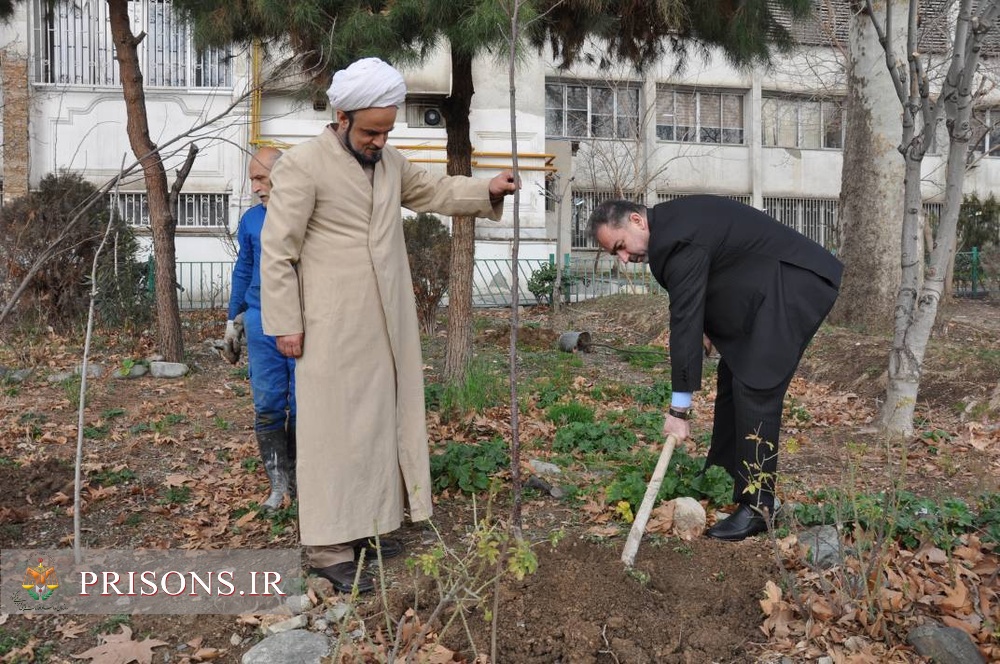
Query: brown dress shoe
[[342, 576]]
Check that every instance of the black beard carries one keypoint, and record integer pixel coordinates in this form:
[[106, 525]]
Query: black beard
[[363, 159]]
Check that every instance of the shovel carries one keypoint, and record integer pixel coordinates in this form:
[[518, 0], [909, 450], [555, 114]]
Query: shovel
[[642, 516]]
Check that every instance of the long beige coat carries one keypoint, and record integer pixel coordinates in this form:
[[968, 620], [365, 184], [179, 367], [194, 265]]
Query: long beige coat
[[334, 266]]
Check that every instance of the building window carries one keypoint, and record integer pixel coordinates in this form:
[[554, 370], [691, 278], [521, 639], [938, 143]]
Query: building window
[[585, 110], [193, 210], [73, 46], [986, 131], [802, 123], [699, 116]]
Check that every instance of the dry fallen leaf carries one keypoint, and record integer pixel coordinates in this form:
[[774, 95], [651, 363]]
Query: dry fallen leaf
[[121, 649], [71, 629]]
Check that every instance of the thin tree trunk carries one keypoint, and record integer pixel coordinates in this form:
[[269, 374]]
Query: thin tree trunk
[[161, 218], [458, 350], [515, 442], [913, 325]]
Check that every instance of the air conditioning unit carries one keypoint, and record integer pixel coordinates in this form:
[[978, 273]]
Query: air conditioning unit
[[424, 113]]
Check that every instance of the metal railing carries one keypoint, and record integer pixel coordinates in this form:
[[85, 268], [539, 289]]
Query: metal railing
[[972, 277], [206, 285]]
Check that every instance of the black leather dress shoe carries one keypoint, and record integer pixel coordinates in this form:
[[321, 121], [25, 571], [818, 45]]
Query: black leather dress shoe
[[342, 576], [745, 522], [390, 548]]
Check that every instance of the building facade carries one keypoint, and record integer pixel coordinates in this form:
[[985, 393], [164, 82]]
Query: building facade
[[772, 137]]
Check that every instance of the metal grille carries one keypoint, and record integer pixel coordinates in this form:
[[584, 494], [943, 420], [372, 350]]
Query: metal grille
[[193, 210], [73, 46], [813, 217], [663, 197]]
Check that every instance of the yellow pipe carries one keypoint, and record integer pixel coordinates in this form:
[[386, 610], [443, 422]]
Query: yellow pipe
[[255, 94], [549, 158], [476, 164]]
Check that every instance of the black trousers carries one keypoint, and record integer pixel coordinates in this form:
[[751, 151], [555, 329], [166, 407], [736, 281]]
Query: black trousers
[[745, 437]]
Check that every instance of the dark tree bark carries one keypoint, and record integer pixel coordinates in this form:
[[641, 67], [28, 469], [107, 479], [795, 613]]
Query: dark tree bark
[[456, 108], [161, 218]]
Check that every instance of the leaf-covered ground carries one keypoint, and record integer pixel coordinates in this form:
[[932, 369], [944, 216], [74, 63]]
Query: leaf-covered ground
[[173, 464]]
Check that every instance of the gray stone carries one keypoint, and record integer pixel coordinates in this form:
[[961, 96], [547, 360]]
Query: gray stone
[[544, 467], [944, 645], [167, 369], [17, 376], [135, 371], [295, 647], [824, 546], [320, 625], [298, 604], [94, 370], [61, 376], [689, 517], [337, 612], [298, 622]]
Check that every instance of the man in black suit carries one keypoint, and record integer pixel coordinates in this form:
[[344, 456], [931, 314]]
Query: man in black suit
[[756, 290]]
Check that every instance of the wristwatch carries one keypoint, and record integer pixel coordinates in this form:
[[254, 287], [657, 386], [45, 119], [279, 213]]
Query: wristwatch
[[679, 414]]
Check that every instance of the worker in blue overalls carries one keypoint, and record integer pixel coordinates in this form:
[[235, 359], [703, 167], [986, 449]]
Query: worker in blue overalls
[[272, 375]]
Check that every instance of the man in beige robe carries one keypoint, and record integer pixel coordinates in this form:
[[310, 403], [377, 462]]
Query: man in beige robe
[[337, 294]]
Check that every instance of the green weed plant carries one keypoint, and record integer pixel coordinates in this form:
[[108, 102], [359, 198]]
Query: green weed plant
[[468, 467]]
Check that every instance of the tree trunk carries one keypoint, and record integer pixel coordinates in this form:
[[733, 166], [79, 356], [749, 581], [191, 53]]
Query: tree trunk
[[161, 218], [915, 314], [871, 192], [456, 108]]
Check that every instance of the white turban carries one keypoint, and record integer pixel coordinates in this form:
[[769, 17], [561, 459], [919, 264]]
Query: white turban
[[367, 83]]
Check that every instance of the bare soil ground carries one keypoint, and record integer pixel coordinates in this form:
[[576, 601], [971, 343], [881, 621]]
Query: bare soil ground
[[172, 464]]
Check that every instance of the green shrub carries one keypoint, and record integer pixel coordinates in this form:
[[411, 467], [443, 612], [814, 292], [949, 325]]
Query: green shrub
[[682, 478], [428, 246], [910, 519], [58, 294], [468, 467], [542, 283]]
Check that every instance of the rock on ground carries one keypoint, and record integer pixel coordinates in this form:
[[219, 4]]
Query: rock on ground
[[294, 647]]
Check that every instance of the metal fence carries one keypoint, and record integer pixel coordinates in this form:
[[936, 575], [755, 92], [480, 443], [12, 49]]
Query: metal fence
[[976, 275], [206, 285]]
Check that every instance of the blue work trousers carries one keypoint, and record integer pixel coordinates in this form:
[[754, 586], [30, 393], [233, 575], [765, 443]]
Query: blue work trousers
[[272, 377]]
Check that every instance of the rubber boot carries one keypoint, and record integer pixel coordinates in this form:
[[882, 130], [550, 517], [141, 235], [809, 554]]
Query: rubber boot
[[292, 487], [274, 452]]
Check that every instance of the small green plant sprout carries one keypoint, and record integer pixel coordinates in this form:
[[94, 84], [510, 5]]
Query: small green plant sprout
[[119, 474], [639, 575], [623, 510], [796, 413], [126, 368]]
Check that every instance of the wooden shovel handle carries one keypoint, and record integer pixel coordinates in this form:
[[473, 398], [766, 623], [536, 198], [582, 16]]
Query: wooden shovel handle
[[653, 488]]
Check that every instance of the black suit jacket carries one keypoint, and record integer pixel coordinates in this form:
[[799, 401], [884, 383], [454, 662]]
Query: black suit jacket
[[757, 288]]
